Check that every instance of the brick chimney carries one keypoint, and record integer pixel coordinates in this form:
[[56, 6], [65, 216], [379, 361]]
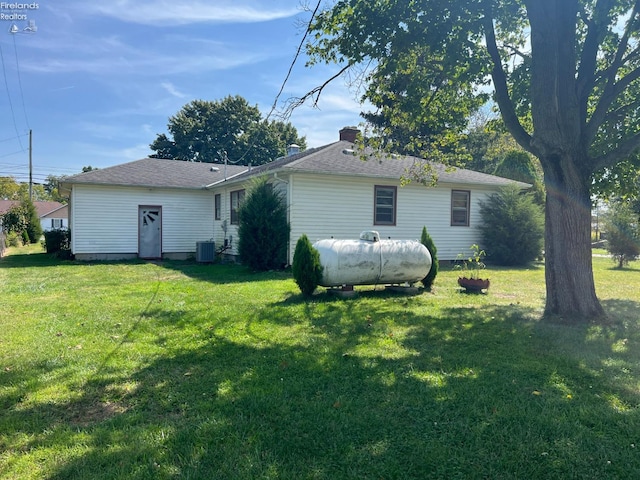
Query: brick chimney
[[349, 134]]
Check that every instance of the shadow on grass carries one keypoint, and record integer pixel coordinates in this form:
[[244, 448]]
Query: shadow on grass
[[30, 260], [625, 269], [213, 273], [358, 392], [43, 259], [220, 273]]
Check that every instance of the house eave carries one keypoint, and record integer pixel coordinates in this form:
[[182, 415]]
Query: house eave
[[66, 187], [288, 170]]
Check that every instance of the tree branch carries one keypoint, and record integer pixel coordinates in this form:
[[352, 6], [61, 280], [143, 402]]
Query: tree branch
[[314, 94], [588, 59], [503, 99], [613, 156], [612, 88]]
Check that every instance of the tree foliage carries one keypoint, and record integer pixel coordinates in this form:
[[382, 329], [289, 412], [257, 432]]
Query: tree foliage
[[263, 230], [512, 227], [14, 219], [9, 188], [518, 165], [565, 75], [33, 228], [202, 131], [622, 227], [52, 189], [23, 219]]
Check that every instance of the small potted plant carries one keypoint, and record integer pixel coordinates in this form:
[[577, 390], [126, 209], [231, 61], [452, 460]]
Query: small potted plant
[[471, 267]]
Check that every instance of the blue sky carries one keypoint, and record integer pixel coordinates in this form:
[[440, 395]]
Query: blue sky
[[98, 80]]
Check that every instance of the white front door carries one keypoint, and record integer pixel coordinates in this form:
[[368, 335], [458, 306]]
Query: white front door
[[149, 232]]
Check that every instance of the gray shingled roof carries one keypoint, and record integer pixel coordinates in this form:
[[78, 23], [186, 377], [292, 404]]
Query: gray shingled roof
[[337, 158], [340, 158], [154, 172]]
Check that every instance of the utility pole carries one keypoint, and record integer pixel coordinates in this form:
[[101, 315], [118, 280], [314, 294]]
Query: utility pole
[[30, 166]]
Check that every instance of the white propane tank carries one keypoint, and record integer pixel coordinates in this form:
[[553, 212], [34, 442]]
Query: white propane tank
[[371, 261]]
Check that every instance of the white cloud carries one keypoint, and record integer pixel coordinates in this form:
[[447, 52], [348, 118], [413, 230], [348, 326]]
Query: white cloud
[[171, 88], [171, 12], [128, 60]]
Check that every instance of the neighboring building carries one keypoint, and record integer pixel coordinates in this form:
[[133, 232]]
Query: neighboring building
[[52, 215], [331, 191]]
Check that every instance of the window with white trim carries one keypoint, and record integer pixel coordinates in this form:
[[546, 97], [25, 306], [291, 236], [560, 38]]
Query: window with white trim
[[237, 197], [460, 207], [385, 205], [217, 206]]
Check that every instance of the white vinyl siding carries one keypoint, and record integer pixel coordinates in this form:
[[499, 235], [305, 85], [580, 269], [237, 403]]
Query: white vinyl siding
[[51, 223], [325, 206], [104, 219]]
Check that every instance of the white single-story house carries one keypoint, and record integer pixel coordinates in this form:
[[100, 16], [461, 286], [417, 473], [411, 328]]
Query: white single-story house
[[56, 218], [52, 215], [154, 208]]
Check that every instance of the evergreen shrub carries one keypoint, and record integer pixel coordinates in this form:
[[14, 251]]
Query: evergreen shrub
[[427, 241], [512, 227], [263, 228], [307, 271]]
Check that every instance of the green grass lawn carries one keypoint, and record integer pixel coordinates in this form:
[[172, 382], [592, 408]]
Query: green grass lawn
[[139, 370]]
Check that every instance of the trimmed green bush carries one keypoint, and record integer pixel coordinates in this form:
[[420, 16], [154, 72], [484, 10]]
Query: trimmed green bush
[[427, 241], [58, 240], [306, 267], [263, 230], [512, 227]]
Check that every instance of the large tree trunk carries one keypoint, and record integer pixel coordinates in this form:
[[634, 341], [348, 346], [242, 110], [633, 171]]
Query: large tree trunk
[[559, 144], [569, 275]]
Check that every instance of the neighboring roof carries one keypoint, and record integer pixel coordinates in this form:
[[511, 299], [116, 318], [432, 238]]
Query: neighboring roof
[[61, 212], [5, 205], [43, 208], [155, 172], [340, 158]]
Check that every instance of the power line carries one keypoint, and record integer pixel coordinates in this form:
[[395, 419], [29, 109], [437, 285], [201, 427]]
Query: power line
[[13, 115], [295, 59], [14, 153], [13, 138], [24, 108], [286, 78]]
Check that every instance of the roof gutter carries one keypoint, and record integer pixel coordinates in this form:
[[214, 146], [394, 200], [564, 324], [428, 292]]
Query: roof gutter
[[226, 179]]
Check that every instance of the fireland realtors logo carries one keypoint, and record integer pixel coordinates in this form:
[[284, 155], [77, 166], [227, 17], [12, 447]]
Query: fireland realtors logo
[[17, 13]]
